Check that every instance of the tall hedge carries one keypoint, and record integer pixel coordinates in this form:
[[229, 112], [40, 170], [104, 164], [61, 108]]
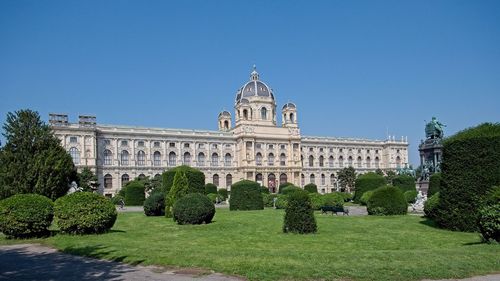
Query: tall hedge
[[196, 179], [470, 167], [299, 214], [179, 189], [210, 188], [311, 188], [405, 183], [246, 195], [366, 182], [283, 185], [134, 193], [434, 184], [387, 201]]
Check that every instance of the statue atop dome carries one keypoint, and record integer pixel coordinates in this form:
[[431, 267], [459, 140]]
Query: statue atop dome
[[434, 129]]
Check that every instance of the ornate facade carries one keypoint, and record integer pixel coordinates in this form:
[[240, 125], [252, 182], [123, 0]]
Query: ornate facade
[[252, 147]]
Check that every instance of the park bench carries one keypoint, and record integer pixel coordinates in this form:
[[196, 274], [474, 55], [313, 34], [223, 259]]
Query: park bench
[[334, 210]]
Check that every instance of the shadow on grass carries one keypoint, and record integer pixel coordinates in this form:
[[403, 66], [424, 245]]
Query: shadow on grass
[[99, 252], [429, 222]]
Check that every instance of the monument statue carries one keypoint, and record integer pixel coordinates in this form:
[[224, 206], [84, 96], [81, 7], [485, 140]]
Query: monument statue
[[431, 152], [434, 129]]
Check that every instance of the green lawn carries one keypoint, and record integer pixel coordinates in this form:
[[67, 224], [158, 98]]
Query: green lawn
[[251, 244]]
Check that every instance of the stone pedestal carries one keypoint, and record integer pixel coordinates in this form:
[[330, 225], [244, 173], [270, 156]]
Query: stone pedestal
[[423, 185]]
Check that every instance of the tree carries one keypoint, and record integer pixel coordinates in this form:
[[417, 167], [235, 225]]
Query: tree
[[389, 176], [87, 180], [347, 177], [379, 172], [32, 160], [177, 191]]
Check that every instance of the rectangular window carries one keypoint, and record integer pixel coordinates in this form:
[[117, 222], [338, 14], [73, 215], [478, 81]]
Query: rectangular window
[[73, 139], [258, 145], [140, 143], [271, 146], [331, 149], [311, 149], [172, 144], [283, 146], [295, 146], [107, 142], [156, 144], [186, 145], [201, 145], [124, 143], [214, 146], [228, 146], [321, 150]]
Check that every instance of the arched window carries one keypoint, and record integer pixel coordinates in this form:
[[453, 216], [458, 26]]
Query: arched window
[[368, 162], [321, 161], [226, 124], [377, 162], [359, 162], [108, 157], [215, 159], [172, 157], [271, 183], [245, 114], [263, 113], [312, 178], [341, 161], [291, 118], [108, 181], [349, 161], [258, 178], [125, 179], [323, 179], [75, 154], [311, 160], [215, 179], [228, 159], [302, 180], [142, 176], [282, 159], [187, 158], [398, 162], [270, 159], [258, 159], [283, 178], [330, 161], [124, 158], [157, 158], [302, 160], [201, 159], [332, 179], [229, 180], [141, 158]]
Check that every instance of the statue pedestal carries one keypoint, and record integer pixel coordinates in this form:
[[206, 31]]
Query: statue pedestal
[[423, 186]]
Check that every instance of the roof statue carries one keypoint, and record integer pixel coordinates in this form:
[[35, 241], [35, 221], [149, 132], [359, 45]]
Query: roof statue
[[434, 129]]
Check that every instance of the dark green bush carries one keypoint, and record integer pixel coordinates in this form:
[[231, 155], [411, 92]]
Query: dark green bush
[[223, 194], [431, 206], [84, 213], [366, 182], [470, 167], [299, 214], [268, 199], [366, 196], [434, 184], [405, 183], [213, 197], [283, 185], [347, 196], [154, 205], [210, 188], [289, 189], [246, 195], [489, 222], [196, 179], [334, 199], [264, 189], [178, 189], [311, 188], [386, 201], [134, 193], [317, 200], [116, 199], [194, 208], [410, 196], [281, 201], [492, 196], [26, 215]]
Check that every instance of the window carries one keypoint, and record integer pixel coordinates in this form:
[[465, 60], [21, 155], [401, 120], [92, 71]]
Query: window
[[156, 144], [141, 158], [330, 161], [295, 146], [331, 149], [340, 150], [108, 157], [75, 154], [341, 161], [125, 179], [229, 180], [270, 159], [73, 139], [107, 142], [263, 113], [271, 146], [283, 178], [227, 160], [311, 160], [302, 180], [282, 159], [156, 158], [398, 162], [245, 114], [359, 162], [312, 179], [283, 146], [142, 176], [258, 159], [321, 150], [321, 161], [201, 159], [172, 144], [215, 179], [368, 162], [376, 151], [249, 144], [187, 158], [186, 145], [124, 143], [292, 119], [332, 179], [367, 151], [140, 143], [124, 158], [228, 145], [214, 146], [311, 149], [349, 161], [359, 150], [215, 160], [377, 162], [108, 181], [323, 179], [172, 157], [258, 145], [201, 145]]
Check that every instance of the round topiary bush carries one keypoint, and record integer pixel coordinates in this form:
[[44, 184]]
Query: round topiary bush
[[26, 215], [299, 214], [410, 196], [366, 196], [317, 200], [213, 197], [268, 199], [223, 194], [195, 178], [366, 182], [84, 213], [434, 184], [386, 201], [289, 189], [281, 201], [246, 195], [283, 185], [489, 222], [311, 188], [334, 199], [116, 199], [431, 206], [210, 188], [194, 208], [154, 205], [134, 193], [405, 183]]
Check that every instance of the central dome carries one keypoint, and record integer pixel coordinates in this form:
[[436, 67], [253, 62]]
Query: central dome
[[253, 88]]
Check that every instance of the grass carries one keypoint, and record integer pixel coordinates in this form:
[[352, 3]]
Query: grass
[[251, 244]]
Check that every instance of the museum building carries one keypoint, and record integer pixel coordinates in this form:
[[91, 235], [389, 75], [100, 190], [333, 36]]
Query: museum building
[[252, 146]]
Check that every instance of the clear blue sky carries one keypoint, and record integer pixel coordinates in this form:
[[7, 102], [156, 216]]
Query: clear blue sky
[[354, 68]]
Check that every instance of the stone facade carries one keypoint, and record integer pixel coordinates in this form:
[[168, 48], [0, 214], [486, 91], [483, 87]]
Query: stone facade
[[255, 148]]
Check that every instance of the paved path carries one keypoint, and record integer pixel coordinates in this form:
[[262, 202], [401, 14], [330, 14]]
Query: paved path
[[36, 262]]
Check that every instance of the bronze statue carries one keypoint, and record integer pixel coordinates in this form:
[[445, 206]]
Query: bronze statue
[[434, 129]]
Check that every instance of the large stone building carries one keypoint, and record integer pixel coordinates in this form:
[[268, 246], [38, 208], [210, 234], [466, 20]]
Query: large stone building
[[252, 146]]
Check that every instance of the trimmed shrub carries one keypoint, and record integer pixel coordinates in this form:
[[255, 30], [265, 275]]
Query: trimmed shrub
[[317, 200], [431, 206], [268, 199], [311, 188], [134, 193], [366, 182], [434, 184], [347, 196], [410, 196], [196, 179], [246, 195], [178, 190], [405, 183], [299, 214], [154, 205], [210, 188], [264, 189], [26, 215], [283, 185], [334, 199], [223, 194], [387, 201], [289, 189], [116, 199], [281, 201], [84, 213], [492, 196], [194, 208], [489, 222], [213, 197], [366, 196], [470, 167]]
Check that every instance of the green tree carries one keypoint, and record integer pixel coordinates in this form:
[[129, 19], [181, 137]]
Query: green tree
[[389, 176], [179, 188], [87, 180], [347, 177], [32, 160], [379, 172]]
